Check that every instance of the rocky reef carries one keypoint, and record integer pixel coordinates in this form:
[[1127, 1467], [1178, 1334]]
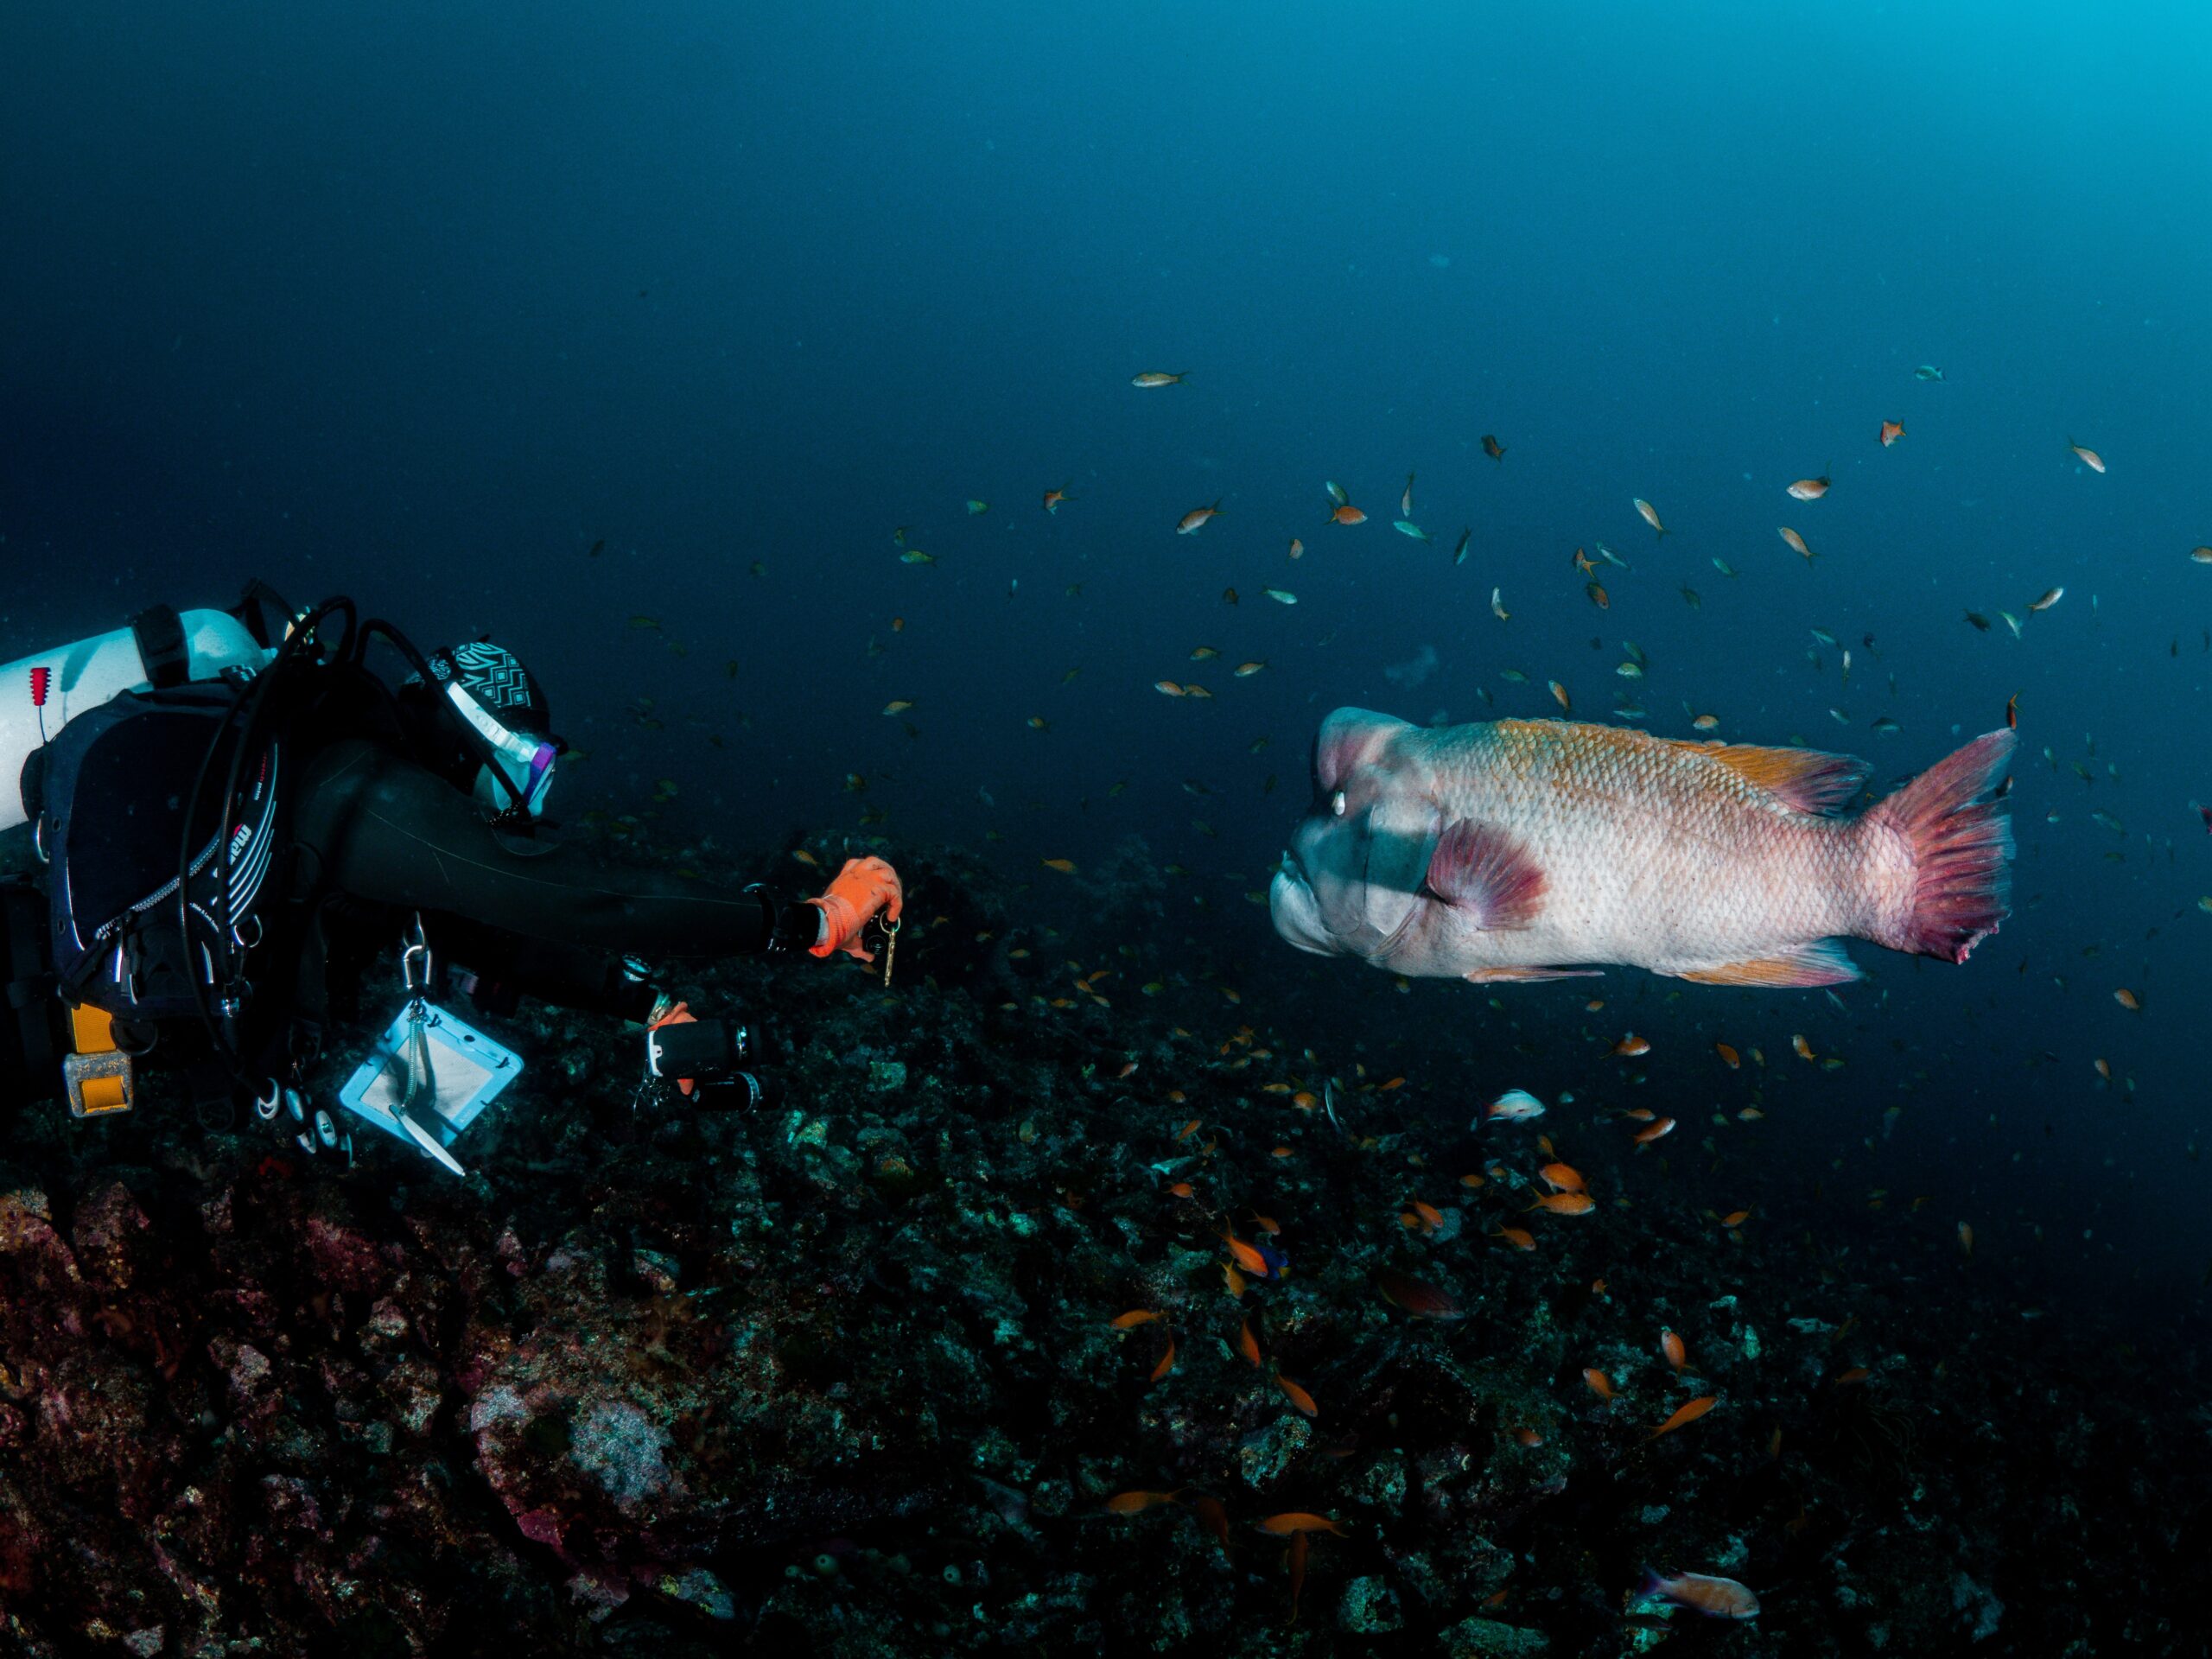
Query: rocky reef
[[850, 1374]]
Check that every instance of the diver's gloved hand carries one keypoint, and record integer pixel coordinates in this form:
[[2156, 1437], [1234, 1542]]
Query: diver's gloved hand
[[865, 888]]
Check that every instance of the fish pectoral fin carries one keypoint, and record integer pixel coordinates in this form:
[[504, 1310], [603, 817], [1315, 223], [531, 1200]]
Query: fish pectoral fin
[[1821, 963], [1528, 975], [1482, 870]]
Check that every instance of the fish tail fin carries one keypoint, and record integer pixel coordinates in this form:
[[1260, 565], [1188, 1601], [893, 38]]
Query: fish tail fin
[[1958, 842], [1650, 1584]]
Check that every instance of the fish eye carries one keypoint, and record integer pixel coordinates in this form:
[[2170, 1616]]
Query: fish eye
[[1337, 802]]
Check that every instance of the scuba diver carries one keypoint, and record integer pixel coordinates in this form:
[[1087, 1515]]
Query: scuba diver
[[236, 813]]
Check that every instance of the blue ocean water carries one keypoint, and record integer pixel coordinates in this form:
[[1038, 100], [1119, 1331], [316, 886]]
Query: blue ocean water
[[424, 303]]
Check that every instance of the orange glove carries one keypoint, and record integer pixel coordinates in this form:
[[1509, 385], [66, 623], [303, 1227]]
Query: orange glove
[[865, 887], [668, 1013]]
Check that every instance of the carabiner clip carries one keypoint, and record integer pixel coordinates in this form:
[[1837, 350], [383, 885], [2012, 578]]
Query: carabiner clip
[[414, 961]]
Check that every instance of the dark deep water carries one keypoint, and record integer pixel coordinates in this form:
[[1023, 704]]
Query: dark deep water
[[421, 307], [420, 303]]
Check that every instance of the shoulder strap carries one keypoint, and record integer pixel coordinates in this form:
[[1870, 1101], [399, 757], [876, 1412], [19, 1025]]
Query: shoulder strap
[[160, 637]]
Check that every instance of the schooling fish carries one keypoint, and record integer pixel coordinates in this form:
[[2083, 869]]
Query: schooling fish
[[1512, 851]]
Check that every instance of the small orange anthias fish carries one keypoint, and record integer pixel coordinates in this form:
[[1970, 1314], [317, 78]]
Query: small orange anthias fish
[[1054, 498], [1195, 520], [1563, 1178], [1671, 1345], [1714, 1598], [2090, 458], [1564, 1204], [1422, 1301], [1646, 1135], [1809, 489], [1600, 1384], [1138, 1502], [1892, 432], [1688, 1413], [1300, 1521], [1159, 377], [1298, 1396], [1347, 514], [1247, 1344], [1519, 1237], [1631, 1046], [1492, 448]]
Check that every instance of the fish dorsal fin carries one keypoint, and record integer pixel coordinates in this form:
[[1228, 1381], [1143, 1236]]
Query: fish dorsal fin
[[1481, 869], [1810, 780]]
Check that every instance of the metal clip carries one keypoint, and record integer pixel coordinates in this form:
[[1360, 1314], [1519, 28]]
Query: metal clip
[[890, 950], [414, 961]]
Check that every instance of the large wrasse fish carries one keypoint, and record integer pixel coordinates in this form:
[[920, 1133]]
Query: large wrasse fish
[[1513, 850]]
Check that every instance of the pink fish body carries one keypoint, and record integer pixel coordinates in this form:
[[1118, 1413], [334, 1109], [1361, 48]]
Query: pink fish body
[[1518, 848]]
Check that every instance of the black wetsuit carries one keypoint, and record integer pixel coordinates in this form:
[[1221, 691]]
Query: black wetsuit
[[528, 916]]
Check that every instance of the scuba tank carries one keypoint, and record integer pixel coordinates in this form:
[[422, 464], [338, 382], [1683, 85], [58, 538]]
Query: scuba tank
[[42, 693]]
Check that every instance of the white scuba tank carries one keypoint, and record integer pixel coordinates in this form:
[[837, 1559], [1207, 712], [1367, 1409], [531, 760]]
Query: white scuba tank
[[87, 674]]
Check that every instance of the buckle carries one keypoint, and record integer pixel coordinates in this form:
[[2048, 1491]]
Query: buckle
[[99, 1084]]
